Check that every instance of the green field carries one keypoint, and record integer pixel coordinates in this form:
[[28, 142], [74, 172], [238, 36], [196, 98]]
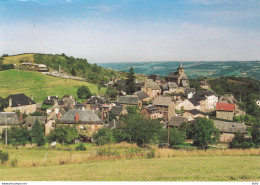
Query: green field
[[39, 85], [211, 165]]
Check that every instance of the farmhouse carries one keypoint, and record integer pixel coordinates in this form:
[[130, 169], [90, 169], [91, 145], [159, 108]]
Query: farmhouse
[[228, 129], [151, 88], [166, 106], [130, 100], [20, 102], [193, 114], [151, 112], [117, 111]]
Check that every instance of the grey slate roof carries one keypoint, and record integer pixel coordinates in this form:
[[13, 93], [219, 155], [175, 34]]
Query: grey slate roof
[[188, 90], [151, 84], [199, 96], [163, 101], [95, 100], [151, 108], [10, 118], [85, 117], [129, 100], [154, 77], [230, 127], [19, 100], [196, 112], [141, 95], [177, 121], [194, 101], [30, 120], [116, 110]]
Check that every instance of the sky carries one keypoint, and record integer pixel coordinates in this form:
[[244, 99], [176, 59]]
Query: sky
[[133, 30]]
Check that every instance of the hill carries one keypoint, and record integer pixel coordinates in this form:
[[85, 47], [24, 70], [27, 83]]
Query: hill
[[39, 85], [92, 72], [192, 69]]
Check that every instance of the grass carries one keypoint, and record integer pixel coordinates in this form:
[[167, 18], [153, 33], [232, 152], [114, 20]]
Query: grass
[[40, 85], [16, 59], [168, 165]]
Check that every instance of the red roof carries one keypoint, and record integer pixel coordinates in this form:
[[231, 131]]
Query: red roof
[[225, 106]]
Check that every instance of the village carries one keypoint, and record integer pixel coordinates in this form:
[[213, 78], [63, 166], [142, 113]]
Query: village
[[171, 100]]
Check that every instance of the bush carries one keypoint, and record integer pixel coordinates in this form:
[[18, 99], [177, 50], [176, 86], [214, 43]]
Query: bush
[[3, 156], [239, 141], [176, 136], [104, 136], [81, 147], [14, 162], [83, 92], [151, 154]]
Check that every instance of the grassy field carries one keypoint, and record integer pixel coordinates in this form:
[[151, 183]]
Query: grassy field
[[16, 59], [168, 165], [39, 85]]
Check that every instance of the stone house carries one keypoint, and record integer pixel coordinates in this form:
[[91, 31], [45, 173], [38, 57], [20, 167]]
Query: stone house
[[118, 111], [130, 100], [155, 78], [207, 99], [193, 114], [151, 88], [166, 107], [204, 84], [30, 120], [225, 110], [188, 104], [151, 112], [9, 119], [20, 102], [177, 121], [189, 92], [229, 129], [86, 121], [143, 96], [93, 102]]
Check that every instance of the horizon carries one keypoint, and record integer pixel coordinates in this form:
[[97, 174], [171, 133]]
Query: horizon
[[133, 31]]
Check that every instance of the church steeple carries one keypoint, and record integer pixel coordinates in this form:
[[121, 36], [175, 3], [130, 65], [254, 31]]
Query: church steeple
[[181, 68]]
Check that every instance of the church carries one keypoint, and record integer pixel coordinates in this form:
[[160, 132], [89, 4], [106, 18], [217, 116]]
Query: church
[[179, 77]]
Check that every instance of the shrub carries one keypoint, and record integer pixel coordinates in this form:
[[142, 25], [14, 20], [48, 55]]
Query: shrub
[[239, 141], [14, 162], [103, 136], [81, 147], [151, 154], [3, 156]]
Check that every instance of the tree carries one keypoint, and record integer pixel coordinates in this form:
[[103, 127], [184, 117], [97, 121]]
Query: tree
[[73, 72], [176, 136], [16, 136], [63, 134], [256, 133], [112, 93], [84, 92], [239, 141], [37, 133], [3, 104], [137, 129], [3, 156], [130, 82], [204, 133], [103, 136]]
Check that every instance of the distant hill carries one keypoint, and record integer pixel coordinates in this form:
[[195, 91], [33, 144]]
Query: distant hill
[[40, 85], [193, 69]]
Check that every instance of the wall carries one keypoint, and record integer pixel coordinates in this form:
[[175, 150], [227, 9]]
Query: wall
[[225, 115]]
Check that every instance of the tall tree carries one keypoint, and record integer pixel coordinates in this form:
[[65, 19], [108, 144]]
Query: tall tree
[[3, 104], [204, 133], [84, 92], [37, 133], [130, 82], [73, 72]]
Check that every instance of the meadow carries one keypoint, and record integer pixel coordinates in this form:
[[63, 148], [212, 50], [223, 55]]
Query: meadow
[[66, 164], [40, 85]]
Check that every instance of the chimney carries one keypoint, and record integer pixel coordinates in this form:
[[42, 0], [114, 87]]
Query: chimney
[[56, 110], [49, 98], [56, 103], [32, 97], [10, 102], [77, 117]]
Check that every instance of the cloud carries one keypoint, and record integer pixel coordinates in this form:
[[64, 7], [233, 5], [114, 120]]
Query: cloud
[[208, 2]]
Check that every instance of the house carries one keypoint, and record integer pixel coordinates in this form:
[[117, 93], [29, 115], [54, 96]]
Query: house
[[151, 88], [177, 97], [30, 120], [207, 100], [179, 77], [193, 114], [155, 78], [177, 121], [41, 68], [169, 88], [188, 104], [204, 84], [189, 92], [225, 110], [118, 111], [10, 119], [229, 129], [94, 102], [130, 100], [20, 102], [151, 112], [166, 106], [68, 100], [202, 99], [143, 96], [86, 121], [50, 100]]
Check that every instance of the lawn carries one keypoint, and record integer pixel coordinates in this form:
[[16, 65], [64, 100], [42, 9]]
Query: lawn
[[211, 165], [39, 85], [17, 58]]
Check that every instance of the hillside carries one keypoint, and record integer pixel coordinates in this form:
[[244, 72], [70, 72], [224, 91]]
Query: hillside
[[193, 69], [39, 85], [82, 68]]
